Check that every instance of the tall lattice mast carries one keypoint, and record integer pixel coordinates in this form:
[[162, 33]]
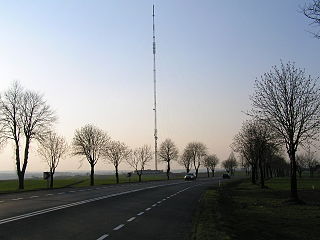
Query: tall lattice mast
[[155, 95]]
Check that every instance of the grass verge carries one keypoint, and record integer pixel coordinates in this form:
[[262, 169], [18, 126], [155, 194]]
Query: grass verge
[[240, 210]]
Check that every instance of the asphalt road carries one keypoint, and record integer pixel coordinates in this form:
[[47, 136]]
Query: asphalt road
[[151, 210]]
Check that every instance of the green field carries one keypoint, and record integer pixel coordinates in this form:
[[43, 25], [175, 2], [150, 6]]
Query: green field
[[79, 181], [240, 210], [7, 186]]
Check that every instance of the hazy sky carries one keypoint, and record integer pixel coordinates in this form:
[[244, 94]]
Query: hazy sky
[[92, 60]]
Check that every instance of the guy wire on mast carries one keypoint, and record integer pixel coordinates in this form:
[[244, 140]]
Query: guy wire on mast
[[155, 94]]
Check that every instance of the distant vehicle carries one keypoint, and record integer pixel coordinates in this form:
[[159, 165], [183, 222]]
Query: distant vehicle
[[226, 176], [189, 176]]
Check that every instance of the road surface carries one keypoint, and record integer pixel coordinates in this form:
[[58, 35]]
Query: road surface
[[150, 210]]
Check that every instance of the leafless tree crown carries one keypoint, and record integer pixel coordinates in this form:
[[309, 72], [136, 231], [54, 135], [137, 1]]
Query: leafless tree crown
[[312, 11], [116, 152], [289, 101], [168, 151], [52, 148], [90, 142]]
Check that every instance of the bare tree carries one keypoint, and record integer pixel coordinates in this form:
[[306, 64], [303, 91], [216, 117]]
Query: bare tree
[[198, 152], [52, 148], [24, 116], [310, 161], [256, 143], [289, 101], [210, 162], [140, 157], [116, 152], [185, 159], [230, 164], [90, 142], [167, 153], [312, 11]]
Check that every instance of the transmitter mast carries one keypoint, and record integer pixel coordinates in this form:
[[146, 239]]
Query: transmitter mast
[[155, 94]]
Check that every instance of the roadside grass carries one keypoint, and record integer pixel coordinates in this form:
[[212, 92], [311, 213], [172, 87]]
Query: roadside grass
[[240, 210], [7, 186]]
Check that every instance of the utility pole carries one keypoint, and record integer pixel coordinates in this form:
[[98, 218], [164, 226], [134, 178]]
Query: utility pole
[[155, 94]]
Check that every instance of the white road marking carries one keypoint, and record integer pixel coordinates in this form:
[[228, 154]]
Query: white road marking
[[72, 191], [147, 209], [118, 227], [153, 205], [103, 237], [49, 194], [61, 192], [159, 202], [16, 199], [164, 199], [34, 196], [140, 213], [1, 201], [131, 219], [168, 197], [51, 209]]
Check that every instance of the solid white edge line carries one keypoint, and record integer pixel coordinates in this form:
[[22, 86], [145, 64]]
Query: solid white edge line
[[16, 199], [47, 210]]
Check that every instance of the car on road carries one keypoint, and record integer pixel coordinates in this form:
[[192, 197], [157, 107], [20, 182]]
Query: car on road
[[226, 176], [189, 176]]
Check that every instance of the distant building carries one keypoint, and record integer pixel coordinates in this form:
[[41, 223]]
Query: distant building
[[150, 171]]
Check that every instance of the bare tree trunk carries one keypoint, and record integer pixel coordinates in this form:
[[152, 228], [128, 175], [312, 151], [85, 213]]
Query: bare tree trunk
[[24, 165], [168, 171], [293, 168], [139, 177], [51, 179], [208, 173], [197, 169], [117, 175], [92, 175], [188, 169], [212, 172], [261, 174], [253, 174], [21, 180]]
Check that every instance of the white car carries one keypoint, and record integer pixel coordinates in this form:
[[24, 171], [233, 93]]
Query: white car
[[189, 176]]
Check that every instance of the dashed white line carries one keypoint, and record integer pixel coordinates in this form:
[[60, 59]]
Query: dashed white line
[[1, 201], [16, 199], [103, 237], [61, 193], [147, 209], [131, 219], [49, 194], [34, 196], [159, 202], [51, 209], [118, 227], [153, 205], [164, 199], [140, 213], [72, 191]]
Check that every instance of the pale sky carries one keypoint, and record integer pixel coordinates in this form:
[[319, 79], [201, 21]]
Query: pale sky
[[92, 60]]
